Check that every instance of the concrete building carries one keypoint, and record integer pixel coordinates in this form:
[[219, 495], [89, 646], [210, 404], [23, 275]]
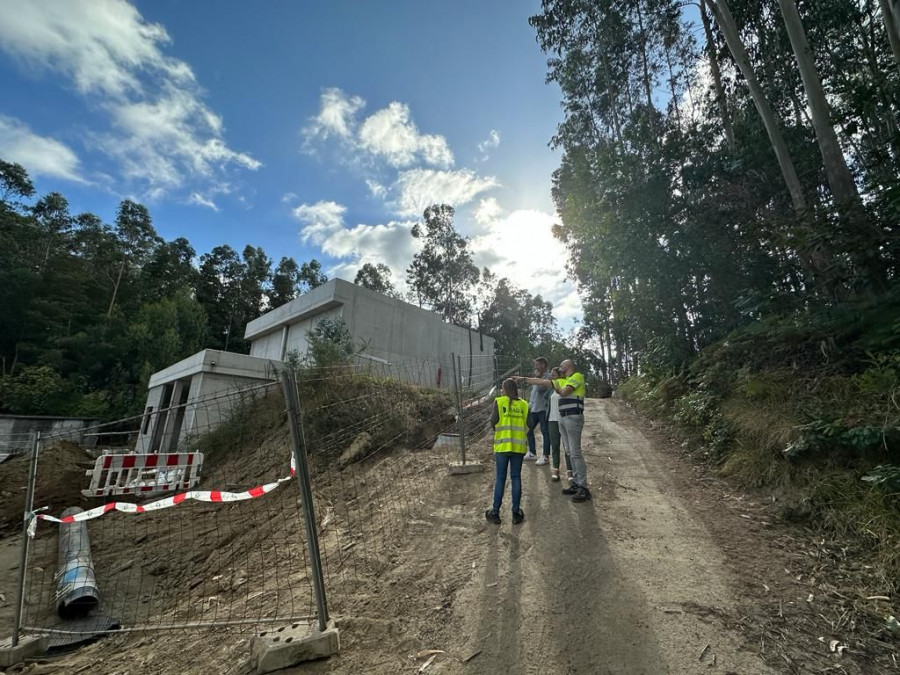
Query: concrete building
[[16, 432], [389, 329], [191, 396]]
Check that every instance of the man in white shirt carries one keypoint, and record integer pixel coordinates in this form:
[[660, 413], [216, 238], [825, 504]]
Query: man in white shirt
[[538, 405]]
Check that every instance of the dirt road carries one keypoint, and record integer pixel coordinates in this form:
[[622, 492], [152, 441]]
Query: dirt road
[[630, 583], [601, 587]]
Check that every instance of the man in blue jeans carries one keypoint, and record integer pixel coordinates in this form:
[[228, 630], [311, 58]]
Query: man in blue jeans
[[538, 407]]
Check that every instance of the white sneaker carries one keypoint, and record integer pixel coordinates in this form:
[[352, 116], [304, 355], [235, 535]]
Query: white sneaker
[[530, 456], [542, 460]]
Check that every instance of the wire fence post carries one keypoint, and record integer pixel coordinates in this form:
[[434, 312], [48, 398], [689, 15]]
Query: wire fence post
[[26, 540], [457, 385], [298, 444]]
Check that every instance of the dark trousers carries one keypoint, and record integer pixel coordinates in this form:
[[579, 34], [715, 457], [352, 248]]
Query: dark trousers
[[554, 447], [511, 461], [535, 418]]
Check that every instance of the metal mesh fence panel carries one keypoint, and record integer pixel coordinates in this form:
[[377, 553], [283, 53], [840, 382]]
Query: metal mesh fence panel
[[379, 438], [196, 564], [376, 455]]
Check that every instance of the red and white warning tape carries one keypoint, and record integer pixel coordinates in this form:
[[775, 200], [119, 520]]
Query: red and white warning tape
[[164, 503], [483, 399]]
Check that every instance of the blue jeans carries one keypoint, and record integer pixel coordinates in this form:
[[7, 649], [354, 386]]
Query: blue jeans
[[535, 418], [511, 461]]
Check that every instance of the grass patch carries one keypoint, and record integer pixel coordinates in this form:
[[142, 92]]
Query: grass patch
[[806, 408]]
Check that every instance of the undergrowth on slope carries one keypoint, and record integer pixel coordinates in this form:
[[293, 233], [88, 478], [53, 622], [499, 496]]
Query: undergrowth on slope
[[806, 407], [336, 405]]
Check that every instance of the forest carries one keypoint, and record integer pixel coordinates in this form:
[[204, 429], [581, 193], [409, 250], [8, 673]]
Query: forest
[[91, 310], [729, 193]]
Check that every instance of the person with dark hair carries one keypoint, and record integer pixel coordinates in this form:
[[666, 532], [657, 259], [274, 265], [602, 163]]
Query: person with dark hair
[[538, 404], [509, 417]]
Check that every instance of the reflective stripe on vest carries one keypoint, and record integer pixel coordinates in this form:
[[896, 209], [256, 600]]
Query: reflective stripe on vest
[[509, 434], [573, 404]]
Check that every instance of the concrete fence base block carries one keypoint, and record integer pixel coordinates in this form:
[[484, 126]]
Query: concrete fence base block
[[289, 645], [457, 468], [29, 647]]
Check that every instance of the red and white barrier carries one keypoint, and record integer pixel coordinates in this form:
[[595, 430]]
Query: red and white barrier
[[133, 473], [215, 496]]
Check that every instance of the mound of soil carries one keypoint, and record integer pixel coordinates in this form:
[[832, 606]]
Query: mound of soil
[[59, 483]]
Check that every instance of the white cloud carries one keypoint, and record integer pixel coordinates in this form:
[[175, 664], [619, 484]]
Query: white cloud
[[521, 247], [492, 141], [162, 133], [289, 197], [199, 200], [41, 156], [418, 188], [391, 134], [323, 225], [337, 116], [487, 210], [376, 189]]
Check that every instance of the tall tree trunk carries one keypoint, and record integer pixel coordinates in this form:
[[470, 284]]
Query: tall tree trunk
[[840, 180], [614, 109], [647, 87], [609, 347], [717, 77], [895, 13], [891, 18], [733, 39], [112, 302], [672, 87]]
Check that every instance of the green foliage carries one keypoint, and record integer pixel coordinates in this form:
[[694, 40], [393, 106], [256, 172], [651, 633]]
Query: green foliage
[[37, 390], [835, 436], [442, 274], [330, 343], [886, 476], [375, 278], [678, 230], [101, 307]]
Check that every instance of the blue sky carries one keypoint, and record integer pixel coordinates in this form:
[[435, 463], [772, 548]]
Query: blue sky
[[309, 129]]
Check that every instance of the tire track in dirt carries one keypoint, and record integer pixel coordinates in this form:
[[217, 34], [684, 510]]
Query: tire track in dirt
[[630, 583]]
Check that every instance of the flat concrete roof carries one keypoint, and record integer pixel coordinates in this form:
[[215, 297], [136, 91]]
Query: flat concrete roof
[[333, 293], [316, 301], [230, 364]]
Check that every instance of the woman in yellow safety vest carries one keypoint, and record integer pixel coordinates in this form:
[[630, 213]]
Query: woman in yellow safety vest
[[510, 420]]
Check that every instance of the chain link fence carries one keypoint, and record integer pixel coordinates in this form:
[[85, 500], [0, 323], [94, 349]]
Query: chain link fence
[[238, 550]]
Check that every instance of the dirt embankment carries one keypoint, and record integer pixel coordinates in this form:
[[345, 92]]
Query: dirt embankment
[[667, 570], [60, 481]]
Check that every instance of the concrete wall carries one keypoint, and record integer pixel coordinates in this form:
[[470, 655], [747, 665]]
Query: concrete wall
[[391, 329], [16, 430], [269, 345], [192, 396]]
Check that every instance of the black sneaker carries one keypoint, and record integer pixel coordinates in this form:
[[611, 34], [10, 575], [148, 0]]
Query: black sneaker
[[492, 516], [518, 516], [582, 495], [571, 490]]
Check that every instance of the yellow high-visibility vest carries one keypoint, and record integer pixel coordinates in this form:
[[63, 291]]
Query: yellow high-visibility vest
[[573, 404], [509, 434]]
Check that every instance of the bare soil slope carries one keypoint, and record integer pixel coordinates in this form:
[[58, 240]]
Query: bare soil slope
[[665, 571]]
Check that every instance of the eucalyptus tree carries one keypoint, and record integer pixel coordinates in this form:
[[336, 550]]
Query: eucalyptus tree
[[375, 278], [442, 274]]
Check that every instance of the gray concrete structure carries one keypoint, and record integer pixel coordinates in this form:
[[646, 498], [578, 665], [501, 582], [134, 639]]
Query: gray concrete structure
[[289, 645], [388, 328], [16, 431], [191, 396]]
